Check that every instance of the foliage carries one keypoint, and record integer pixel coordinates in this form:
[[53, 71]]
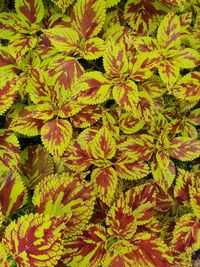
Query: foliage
[[99, 133]]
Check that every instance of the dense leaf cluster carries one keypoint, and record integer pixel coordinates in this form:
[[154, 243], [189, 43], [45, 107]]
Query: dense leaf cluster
[[99, 133]]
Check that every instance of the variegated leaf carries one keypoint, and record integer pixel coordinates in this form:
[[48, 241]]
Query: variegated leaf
[[56, 135], [129, 169], [188, 87], [120, 220], [154, 86], [119, 254], [87, 248], [168, 35], [164, 177], [67, 196], [169, 72], [21, 44], [142, 201], [25, 124], [187, 58], [126, 95], [186, 234], [9, 85], [68, 67], [7, 61], [63, 4], [195, 200], [139, 146], [9, 151], [9, 25], [150, 251], [111, 3], [39, 244], [31, 167], [89, 17], [105, 180], [145, 44], [129, 124], [64, 39], [3, 256], [194, 116], [143, 16], [92, 88], [184, 180], [144, 65], [115, 61], [92, 48], [77, 154], [12, 193], [87, 116], [103, 145], [29, 11], [185, 148]]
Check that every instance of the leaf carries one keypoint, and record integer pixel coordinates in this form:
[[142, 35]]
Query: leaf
[[145, 44], [9, 24], [119, 254], [9, 150], [188, 88], [4, 256], [87, 248], [142, 201], [186, 234], [169, 72], [29, 11], [12, 193], [195, 200], [39, 244], [31, 166], [9, 85], [66, 196], [185, 148], [68, 67], [115, 61], [103, 145], [143, 16], [129, 124], [56, 135], [64, 39], [184, 180], [129, 169], [89, 17], [138, 146], [92, 88], [120, 220], [194, 116], [150, 251], [7, 61], [25, 124], [168, 34], [87, 116], [21, 44], [63, 4], [93, 48], [126, 95], [163, 159], [77, 154], [187, 58], [144, 65], [164, 177], [154, 86], [105, 180], [111, 3]]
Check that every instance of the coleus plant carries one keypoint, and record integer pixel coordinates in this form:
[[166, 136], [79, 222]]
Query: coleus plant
[[99, 137]]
